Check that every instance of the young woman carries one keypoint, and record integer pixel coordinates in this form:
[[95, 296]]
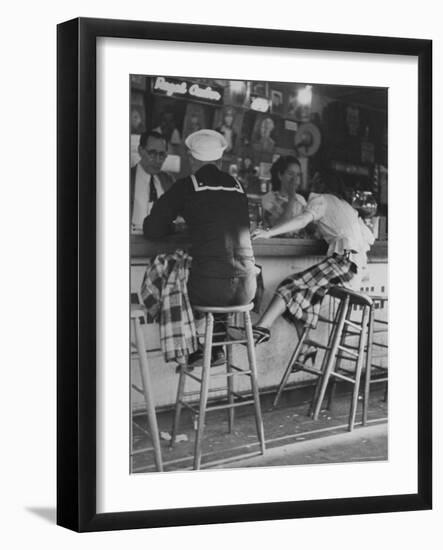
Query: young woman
[[283, 202], [299, 296]]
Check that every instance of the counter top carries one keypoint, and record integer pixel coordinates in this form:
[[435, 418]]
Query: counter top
[[142, 249]]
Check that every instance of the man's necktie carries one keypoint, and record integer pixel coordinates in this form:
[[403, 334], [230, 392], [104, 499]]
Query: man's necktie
[[152, 190]]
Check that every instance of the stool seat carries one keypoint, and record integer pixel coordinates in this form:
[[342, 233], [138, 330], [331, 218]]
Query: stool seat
[[357, 298], [229, 309]]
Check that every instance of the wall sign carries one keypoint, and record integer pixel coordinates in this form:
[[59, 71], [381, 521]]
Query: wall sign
[[174, 87]]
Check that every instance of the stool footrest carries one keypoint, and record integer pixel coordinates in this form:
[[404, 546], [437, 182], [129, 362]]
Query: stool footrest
[[144, 450], [376, 380], [348, 349], [350, 334], [196, 378], [229, 342], [310, 370], [309, 342], [323, 319], [137, 388], [230, 374], [239, 371], [134, 352], [188, 406], [353, 325], [141, 428], [378, 344], [343, 377], [229, 405]]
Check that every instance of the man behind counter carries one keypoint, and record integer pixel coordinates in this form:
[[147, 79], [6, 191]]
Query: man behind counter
[[215, 209], [148, 182]]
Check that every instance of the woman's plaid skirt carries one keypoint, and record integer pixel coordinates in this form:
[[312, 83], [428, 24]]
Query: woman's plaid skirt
[[303, 292]]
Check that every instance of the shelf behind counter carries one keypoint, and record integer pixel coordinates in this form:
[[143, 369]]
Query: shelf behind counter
[[142, 249]]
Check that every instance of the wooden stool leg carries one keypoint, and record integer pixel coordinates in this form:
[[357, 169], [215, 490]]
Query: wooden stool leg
[[206, 371], [131, 423], [331, 356], [368, 366], [147, 390], [178, 404], [254, 382], [230, 381], [288, 370], [333, 382], [323, 370], [358, 368]]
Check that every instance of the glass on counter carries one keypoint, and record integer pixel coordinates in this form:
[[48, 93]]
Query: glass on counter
[[366, 205], [256, 219], [364, 202]]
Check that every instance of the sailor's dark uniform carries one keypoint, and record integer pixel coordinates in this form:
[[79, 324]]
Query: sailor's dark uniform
[[215, 208]]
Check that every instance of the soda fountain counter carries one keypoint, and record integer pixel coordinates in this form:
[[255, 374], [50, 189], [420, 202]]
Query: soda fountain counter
[[278, 258]]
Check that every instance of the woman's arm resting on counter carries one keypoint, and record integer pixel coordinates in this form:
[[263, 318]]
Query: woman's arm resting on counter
[[296, 224]]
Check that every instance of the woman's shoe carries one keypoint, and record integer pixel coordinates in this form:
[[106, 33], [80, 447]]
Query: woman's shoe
[[261, 335], [311, 354], [217, 358]]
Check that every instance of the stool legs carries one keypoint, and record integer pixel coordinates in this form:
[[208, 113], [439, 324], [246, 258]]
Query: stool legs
[[368, 366], [254, 383], [230, 381], [331, 356], [291, 362], [147, 391], [332, 383], [322, 370], [358, 368], [178, 404], [207, 351]]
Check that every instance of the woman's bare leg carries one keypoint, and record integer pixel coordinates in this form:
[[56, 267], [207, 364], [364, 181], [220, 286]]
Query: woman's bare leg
[[273, 311]]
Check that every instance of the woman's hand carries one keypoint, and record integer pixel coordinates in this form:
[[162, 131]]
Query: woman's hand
[[260, 234]]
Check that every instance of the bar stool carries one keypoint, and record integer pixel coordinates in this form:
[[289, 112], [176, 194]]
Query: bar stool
[[233, 398], [138, 312], [337, 349]]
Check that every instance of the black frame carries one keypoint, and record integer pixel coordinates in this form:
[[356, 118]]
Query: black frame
[[76, 278]]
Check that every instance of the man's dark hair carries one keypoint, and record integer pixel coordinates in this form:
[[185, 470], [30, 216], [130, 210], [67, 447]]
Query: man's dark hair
[[280, 166], [144, 137]]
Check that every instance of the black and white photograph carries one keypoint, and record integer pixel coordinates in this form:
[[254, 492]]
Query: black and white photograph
[[258, 311], [233, 294], [232, 239]]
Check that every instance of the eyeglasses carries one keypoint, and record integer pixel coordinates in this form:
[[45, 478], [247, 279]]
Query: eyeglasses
[[152, 153]]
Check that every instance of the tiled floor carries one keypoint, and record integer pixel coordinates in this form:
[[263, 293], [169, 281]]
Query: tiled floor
[[292, 437]]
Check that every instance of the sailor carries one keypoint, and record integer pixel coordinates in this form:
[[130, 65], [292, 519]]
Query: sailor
[[215, 209]]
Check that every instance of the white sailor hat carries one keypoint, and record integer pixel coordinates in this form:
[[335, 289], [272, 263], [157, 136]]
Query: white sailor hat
[[206, 145]]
